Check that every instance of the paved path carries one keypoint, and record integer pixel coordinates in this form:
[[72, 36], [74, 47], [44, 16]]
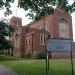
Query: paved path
[[6, 71]]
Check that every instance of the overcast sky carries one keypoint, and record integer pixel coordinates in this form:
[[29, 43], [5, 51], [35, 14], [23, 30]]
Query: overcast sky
[[21, 13]]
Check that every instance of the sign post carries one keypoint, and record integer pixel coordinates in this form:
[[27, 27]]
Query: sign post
[[58, 45], [48, 61], [71, 60], [46, 55]]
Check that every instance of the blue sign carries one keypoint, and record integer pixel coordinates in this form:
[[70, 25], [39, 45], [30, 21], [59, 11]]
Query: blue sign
[[58, 45]]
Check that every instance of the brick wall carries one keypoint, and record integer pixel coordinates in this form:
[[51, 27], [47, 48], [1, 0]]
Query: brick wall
[[32, 33]]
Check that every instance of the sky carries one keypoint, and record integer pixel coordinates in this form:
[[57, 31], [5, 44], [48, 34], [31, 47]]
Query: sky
[[21, 13]]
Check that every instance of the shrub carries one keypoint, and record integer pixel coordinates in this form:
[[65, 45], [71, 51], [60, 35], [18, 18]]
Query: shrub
[[28, 55], [40, 55]]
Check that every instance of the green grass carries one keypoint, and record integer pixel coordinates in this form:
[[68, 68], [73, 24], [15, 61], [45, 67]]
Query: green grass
[[7, 58], [37, 67]]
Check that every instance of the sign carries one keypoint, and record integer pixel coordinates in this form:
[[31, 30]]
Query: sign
[[58, 45]]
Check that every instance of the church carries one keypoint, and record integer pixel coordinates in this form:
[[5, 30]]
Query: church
[[31, 38]]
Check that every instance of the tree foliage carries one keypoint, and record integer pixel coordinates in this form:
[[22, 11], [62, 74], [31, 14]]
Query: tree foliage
[[6, 4], [43, 7], [5, 31], [38, 8]]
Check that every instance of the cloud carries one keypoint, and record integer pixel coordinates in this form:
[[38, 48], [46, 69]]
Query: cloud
[[70, 1]]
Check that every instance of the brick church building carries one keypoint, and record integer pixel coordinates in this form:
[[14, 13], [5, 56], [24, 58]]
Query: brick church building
[[31, 37]]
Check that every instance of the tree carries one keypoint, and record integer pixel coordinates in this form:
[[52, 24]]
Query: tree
[[5, 31], [6, 4], [43, 7], [38, 8]]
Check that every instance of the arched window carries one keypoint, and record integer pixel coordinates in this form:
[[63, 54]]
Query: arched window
[[46, 26], [41, 26], [43, 39], [17, 42], [63, 29]]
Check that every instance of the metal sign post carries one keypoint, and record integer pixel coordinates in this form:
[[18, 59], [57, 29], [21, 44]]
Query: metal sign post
[[46, 55], [72, 60], [48, 60]]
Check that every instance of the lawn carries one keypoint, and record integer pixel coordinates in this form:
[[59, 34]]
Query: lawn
[[37, 67]]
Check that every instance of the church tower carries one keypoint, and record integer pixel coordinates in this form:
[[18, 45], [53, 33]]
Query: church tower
[[16, 36]]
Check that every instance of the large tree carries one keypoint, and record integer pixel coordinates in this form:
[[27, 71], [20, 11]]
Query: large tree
[[5, 4], [38, 8], [5, 31]]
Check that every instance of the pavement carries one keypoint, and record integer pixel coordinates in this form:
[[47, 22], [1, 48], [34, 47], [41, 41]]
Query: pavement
[[6, 71]]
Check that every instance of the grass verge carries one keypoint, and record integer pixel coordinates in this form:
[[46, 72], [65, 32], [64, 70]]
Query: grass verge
[[37, 67]]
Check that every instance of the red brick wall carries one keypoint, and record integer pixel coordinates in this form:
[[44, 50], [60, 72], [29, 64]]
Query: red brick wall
[[17, 51], [28, 39], [53, 23], [48, 19], [14, 20], [58, 16], [34, 38], [34, 34], [38, 46]]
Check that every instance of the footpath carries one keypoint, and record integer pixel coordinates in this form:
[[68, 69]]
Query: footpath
[[6, 71]]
